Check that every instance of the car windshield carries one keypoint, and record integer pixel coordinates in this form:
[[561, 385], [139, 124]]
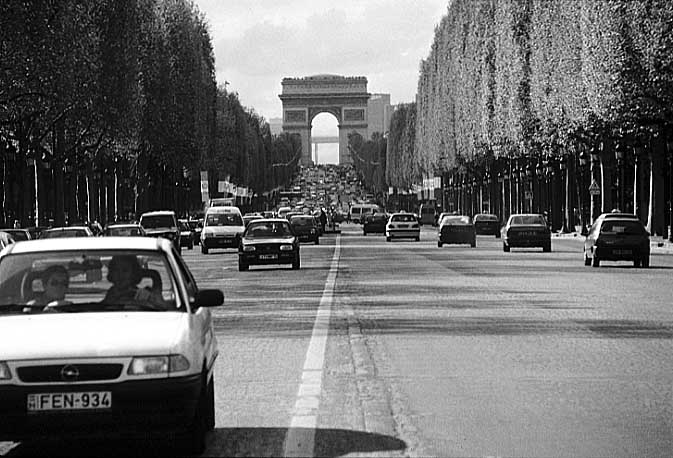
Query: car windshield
[[457, 220], [18, 235], [268, 229], [622, 227], [404, 218], [86, 281], [522, 220], [123, 231], [224, 219], [155, 221]]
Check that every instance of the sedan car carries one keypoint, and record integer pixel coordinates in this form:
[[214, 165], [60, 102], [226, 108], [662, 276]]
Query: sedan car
[[525, 231], [487, 224], [306, 228], [456, 229], [96, 361], [70, 231], [403, 225], [617, 238], [375, 223], [268, 241]]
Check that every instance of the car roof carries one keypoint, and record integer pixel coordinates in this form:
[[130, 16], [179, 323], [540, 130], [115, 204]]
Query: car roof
[[67, 228], [123, 225], [223, 209], [612, 215], [158, 212], [93, 243]]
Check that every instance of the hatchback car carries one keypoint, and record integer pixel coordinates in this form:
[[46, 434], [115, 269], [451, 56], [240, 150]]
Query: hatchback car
[[268, 241], [163, 224], [70, 231], [526, 231], [375, 223], [456, 229], [487, 224], [617, 238], [403, 225], [222, 228], [306, 228], [122, 343]]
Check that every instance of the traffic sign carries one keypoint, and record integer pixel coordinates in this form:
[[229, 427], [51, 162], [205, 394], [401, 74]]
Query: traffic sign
[[594, 189]]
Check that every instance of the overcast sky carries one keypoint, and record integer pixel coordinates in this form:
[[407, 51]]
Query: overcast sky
[[259, 42]]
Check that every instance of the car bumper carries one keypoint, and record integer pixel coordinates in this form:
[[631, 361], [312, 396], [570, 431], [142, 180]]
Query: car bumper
[[374, 229], [220, 242], [621, 253], [457, 238], [138, 408], [528, 242], [308, 237], [286, 257], [403, 233], [487, 230]]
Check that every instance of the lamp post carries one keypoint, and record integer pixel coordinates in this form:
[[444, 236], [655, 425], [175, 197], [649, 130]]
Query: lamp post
[[594, 166], [619, 155], [583, 160], [669, 146]]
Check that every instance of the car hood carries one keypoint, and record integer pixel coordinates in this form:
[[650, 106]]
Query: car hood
[[86, 335], [260, 240]]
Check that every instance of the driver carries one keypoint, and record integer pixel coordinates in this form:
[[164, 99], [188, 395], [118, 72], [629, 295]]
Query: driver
[[125, 273], [55, 282]]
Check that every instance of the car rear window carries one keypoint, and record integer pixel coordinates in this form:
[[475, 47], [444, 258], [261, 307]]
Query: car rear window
[[224, 219], [622, 227], [457, 220], [302, 220], [526, 220], [404, 218], [268, 229], [486, 218]]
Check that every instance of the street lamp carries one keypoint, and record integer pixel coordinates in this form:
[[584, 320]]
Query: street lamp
[[619, 156]]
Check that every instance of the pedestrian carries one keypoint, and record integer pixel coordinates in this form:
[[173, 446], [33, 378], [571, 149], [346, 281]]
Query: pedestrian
[[17, 225], [323, 219]]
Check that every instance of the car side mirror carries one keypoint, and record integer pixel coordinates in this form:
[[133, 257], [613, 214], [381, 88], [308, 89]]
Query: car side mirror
[[209, 298]]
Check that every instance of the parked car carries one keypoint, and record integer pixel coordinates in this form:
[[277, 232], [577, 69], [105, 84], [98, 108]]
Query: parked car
[[222, 228], [375, 223], [19, 235], [403, 225], [427, 214], [617, 237], [268, 241], [130, 351], [456, 229], [526, 231], [70, 231], [124, 230], [163, 224], [487, 224], [306, 228], [186, 234]]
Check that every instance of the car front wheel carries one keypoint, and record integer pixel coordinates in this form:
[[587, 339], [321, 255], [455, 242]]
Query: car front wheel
[[195, 440], [595, 262], [204, 249], [242, 266], [296, 263], [645, 261], [587, 259], [505, 248]]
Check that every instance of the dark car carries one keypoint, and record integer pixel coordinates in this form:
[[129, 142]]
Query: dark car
[[306, 228], [527, 230], [18, 235], [268, 241], [36, 231], [70, 231], [375, 223], [186, 234], [457, 230], [617, 238], [162, 224], [487, 224], [124, 230], [251, 217]]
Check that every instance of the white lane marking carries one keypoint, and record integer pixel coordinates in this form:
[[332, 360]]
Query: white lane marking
[[300, 439]]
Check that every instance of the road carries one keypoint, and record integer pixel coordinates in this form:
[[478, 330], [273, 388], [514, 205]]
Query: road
[[406, 349]]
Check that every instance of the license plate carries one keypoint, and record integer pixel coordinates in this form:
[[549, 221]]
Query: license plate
[[40, 402], [622, 251], [526, 234], [268, 256]]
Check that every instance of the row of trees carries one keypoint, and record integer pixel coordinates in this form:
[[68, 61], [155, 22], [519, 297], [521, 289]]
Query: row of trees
[[111, 107], [537, 84]]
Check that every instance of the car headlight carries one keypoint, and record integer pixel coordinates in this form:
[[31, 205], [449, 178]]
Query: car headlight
[[5, 374], [147, 365], [207, 234], [286, 248], [248, 248]]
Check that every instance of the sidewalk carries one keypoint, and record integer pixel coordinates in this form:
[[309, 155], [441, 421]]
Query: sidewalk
[[658, 244]]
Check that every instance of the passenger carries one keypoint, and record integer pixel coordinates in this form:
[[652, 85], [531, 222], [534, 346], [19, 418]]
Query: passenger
[[125, 273], [55, 281]]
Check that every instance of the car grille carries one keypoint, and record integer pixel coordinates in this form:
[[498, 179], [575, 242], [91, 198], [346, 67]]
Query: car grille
[[65, 373], [267, 248]]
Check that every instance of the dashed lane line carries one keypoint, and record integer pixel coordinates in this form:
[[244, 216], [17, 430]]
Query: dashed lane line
[[300, 439]]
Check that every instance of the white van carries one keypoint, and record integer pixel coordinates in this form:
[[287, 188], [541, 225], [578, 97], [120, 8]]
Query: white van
[[222, 228], [357, 212]]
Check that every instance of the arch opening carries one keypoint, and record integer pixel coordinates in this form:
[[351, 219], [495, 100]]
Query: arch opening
[[325, 139]]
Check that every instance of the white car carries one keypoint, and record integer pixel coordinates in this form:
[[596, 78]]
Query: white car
[[222, 228], [81, 357], [403, 225]]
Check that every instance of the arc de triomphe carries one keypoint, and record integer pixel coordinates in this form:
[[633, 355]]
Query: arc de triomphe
[[344, 97]]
